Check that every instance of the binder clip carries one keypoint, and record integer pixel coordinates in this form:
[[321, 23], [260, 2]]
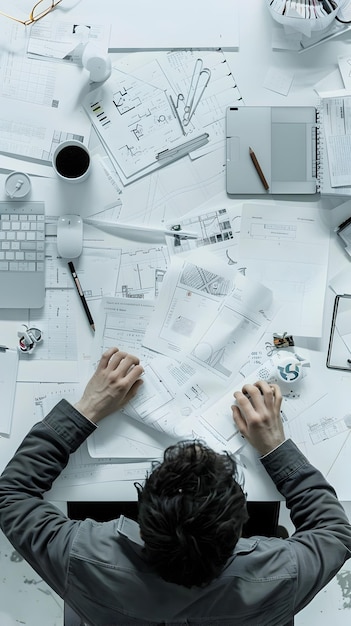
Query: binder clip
[[283, 340], [28, 339]]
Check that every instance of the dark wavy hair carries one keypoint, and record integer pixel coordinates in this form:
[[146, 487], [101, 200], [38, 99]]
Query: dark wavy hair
[[191, 512]]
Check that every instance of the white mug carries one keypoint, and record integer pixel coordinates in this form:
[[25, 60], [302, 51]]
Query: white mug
[[71, 161]]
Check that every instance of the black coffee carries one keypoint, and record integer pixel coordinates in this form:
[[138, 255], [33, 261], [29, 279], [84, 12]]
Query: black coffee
[[72, 161]]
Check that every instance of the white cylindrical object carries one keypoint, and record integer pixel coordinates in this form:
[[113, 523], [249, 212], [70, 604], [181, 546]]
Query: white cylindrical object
[[97, 62], [17, 185]]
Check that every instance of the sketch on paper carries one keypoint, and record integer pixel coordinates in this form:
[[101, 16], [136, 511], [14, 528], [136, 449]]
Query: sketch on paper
[[141, 272]]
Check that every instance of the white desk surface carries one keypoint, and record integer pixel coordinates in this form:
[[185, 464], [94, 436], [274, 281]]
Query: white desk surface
[[249, 66]]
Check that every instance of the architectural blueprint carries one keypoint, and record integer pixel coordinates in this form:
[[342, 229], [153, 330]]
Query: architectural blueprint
[[150, 106], [141, 272], [168, 194], [134, 120]]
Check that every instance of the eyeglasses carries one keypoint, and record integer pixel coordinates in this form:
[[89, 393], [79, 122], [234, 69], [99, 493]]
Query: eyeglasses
[[40, 9]]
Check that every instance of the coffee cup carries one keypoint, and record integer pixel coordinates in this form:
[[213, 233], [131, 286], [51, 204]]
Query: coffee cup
[[71, 161]]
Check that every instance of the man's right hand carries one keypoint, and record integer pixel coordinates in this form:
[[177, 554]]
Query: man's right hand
[[257, 415], [115, 381]]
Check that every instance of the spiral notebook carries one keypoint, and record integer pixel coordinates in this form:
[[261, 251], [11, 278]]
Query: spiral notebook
[[295, 150]]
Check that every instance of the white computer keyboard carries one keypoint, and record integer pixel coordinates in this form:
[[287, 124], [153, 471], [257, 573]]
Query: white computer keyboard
[[22, 238]]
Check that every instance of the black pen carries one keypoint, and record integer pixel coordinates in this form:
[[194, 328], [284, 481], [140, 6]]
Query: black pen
[[81, 294]]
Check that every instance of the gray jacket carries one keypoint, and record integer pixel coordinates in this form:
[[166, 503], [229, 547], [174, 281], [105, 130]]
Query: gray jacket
[[99, 568]]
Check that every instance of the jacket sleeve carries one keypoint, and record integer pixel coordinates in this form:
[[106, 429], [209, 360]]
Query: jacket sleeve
[[39, 531], [321, 542]]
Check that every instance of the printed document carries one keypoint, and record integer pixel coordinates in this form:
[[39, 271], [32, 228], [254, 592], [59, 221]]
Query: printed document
[[63, 40], [336, 120], [122, 322], [287, 249], [38, 106]]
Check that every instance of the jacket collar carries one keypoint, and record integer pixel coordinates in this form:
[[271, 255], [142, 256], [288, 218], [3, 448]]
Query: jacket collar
[[130, 530]]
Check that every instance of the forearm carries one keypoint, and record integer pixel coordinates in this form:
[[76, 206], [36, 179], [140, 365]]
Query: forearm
[[311, 499], [322, 540], [30, 522], [44, 452]]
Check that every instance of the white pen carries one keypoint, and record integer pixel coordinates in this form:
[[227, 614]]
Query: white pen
[[184, 148], [118, 228], [323, 39]]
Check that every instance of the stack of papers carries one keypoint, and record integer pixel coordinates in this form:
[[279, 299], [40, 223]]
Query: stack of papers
[[203, 325]]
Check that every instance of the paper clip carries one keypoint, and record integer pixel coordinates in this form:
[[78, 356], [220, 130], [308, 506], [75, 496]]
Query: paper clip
[[175, 111], [29, 338], [199, 81]]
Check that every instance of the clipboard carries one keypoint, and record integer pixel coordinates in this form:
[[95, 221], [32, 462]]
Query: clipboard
[[283, 140], [339, 348], [8, 379]]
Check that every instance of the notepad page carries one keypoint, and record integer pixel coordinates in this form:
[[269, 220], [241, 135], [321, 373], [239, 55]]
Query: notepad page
[[8, 378]]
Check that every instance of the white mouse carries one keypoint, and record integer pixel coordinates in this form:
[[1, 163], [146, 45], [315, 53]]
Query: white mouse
[[69, 236]]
